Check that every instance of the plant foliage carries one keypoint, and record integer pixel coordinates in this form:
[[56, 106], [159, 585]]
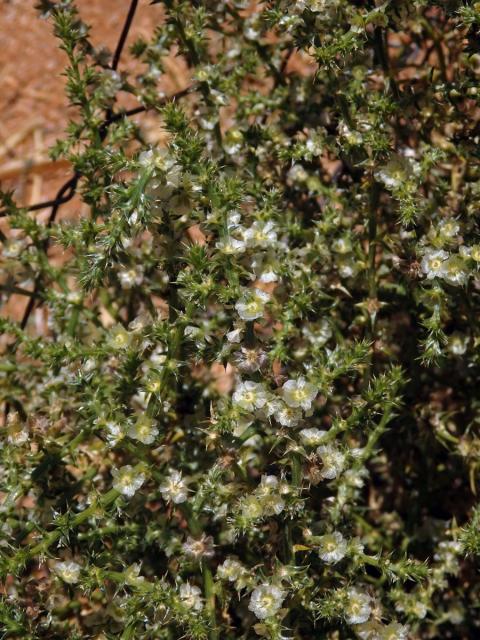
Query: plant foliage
[[255, 410]]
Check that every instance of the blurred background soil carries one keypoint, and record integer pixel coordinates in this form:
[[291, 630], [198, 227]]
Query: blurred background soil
[[33, 104]]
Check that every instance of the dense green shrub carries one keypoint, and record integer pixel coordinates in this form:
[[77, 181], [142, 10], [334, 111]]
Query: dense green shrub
[[255, 411]]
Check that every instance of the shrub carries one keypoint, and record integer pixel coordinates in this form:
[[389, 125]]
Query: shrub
[[255, 411]]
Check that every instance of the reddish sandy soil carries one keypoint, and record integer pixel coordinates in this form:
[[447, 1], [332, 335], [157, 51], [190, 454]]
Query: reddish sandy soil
[[32, 101]]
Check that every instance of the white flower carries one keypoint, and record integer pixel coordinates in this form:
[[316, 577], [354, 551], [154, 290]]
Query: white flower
[[342, 245], [68, 571], [272, 504], [449, 228], [297, 174], [433, 263], [355, 477], [115, 433], [373, 630], [266, 600], [251, 29], [14, 247], [475, 252], [250, 395], [252, 507], [447, 553], [132, 574], [143, 430], [268, 492], [265, 266], [230, 570], [233, 220], [288, 416], [119, 338], [358, 608], [156, 159], [332, 547], [312, 437], [234, 336], [393, 631], [458, 344], [261, 234], [74, 297], [347, 267], [251, 304], [232, 142], [454, 270], [368, 630], [111, 82], [272, 406], [190, 595], [131, 277], [418, 609], [395, 173], [299, 393], [333, 461], [231, 246], [127, 480], [174, 488]]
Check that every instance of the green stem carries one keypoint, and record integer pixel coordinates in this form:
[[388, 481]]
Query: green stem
[[372, 276], [209, 593], [208, 585], [296, 464]]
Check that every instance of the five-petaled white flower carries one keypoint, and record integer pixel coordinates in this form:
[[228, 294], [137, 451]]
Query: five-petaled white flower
[[174, 488], [299, 393], [231, 246], [332, 547], [250, 395], [288, 416], [358, 608], [433, 263], [251, 304], [396, 172], [333, 461], [454, 270], [130, 277], [266, 600], [143, 430], [375, 630], [269, 493], [312, 437], [190, 595], [261, 234], [114, 433], [230, 570], [127, 480], [393, 631], [68, 571]]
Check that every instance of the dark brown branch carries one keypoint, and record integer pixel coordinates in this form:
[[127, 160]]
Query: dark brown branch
[[13, 289], [124, 34]]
